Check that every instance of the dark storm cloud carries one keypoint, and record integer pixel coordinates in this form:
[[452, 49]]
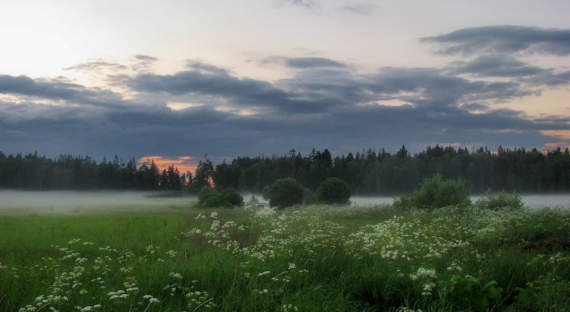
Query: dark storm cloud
[[97, 65], [504, 39], [496, 66]]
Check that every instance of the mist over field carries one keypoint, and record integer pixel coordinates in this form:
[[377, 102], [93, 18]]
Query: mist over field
[[124, 201], [531, 200], [77, 201]]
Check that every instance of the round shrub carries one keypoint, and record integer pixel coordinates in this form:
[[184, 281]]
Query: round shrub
[[208, 197], [212, 201], [501, 200], [284, 193], [333, 191], [436, 193], [309, 196], [231, 198]]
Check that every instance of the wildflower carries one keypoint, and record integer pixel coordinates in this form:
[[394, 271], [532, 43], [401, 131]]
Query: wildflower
[[175, 275]]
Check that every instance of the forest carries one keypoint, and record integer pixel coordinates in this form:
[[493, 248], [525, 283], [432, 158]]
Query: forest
[[369, 172], [66, 172]]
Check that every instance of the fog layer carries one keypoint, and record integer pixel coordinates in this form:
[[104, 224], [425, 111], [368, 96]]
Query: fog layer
[[75, 202]]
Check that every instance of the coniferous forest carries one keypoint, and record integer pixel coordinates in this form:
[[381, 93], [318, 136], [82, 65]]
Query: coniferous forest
[[33, 172], [368, 173]]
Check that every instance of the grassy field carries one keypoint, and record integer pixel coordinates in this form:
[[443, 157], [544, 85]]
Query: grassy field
[[314, 258]]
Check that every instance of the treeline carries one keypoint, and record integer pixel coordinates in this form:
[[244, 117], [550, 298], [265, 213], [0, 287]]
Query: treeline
[[369, 172], [33, 172], [378, 172]]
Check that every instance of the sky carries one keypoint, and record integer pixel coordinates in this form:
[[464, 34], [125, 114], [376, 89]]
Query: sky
[[177, 81]]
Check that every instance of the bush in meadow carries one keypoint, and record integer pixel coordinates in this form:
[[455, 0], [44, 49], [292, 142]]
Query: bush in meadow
[[436, 192], [210, 198], [500, 200], [333, 191], [284, 193], [231, 198], [309, 196]]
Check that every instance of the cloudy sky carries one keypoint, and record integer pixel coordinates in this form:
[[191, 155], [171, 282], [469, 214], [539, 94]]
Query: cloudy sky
[[181, 79]]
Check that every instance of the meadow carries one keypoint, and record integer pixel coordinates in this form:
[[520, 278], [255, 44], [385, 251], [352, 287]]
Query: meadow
[[309, 258]]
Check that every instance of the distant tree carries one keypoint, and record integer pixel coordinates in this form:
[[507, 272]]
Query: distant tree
[[202, 176], [367, 172], [333, 191]]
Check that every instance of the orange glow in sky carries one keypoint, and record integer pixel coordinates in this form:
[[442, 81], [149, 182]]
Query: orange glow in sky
[[184, 164], [562, 134]]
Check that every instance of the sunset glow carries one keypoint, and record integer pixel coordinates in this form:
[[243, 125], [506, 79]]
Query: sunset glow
[[184, 164]]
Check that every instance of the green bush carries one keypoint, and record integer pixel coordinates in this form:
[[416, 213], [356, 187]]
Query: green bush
[[500, 200], [436, 193], [465, 292], [284, 193], [231, 198], [333, 191], [210, 198], [309, 196]]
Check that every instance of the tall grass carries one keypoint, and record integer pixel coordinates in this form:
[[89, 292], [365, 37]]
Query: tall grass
[[314, 258]]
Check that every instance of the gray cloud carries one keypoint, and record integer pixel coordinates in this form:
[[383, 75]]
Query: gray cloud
[[218, 84], [551, 78], [495, 66], [475, 106], [146, 58], [204, 67], [319, 90], [320, 106], [312, 62], [505, 66], [202, 130], [308, 4], [360, 9], [303, 62], [144, 62], [416, 86], [504, 39], [58, 91], [97, 65]]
